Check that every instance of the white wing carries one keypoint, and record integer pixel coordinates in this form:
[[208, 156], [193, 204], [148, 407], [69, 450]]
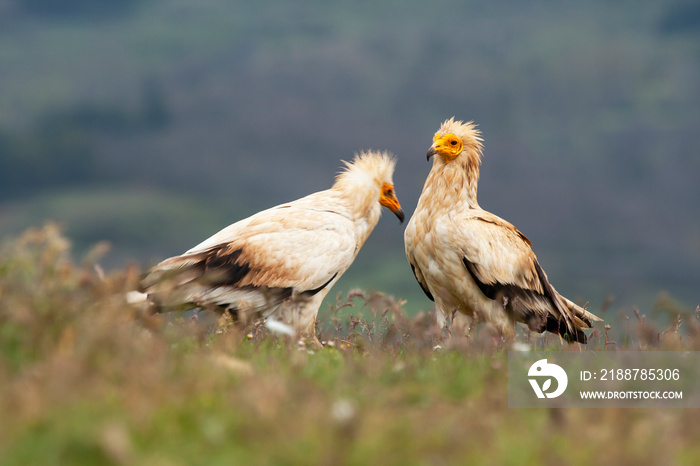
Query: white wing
[[262, 260]]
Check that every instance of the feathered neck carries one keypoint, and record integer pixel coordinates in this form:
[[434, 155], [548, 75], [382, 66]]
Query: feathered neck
[[458, 180], [455, 182]]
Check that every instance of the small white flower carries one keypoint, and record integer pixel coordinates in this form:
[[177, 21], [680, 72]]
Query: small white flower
[[135, 297], [520, 346], [275, 326], [343, 410]]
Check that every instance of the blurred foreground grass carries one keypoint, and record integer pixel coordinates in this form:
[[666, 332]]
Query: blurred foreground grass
[[85, 379]]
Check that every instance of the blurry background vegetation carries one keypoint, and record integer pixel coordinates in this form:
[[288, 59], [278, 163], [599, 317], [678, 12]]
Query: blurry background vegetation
[[154, 123]]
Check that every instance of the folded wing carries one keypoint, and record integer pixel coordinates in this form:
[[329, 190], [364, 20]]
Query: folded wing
[[259, 262], [504, 268]]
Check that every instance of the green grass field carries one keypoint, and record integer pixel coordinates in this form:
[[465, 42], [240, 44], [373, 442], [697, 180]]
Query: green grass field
[[85, 379]]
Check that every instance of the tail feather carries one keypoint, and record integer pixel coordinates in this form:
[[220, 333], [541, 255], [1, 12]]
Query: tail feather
[[575, 320], [581, 313], [565, 317], [560, 327]]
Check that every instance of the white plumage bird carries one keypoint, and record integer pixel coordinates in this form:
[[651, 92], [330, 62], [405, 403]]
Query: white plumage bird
[[473, 263], [282, 261]]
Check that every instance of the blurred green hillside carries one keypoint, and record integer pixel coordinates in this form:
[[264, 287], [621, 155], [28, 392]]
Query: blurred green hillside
[[152, 124]]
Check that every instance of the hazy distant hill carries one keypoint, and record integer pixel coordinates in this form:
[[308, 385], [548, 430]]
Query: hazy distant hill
[[155, 124]]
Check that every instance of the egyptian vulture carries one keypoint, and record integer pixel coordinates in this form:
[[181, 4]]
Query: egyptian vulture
[[283, 261], [471, 261]]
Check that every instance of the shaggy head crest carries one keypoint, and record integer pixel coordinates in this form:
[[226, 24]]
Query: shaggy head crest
[[465, 131], [371, 172], [377, 165]]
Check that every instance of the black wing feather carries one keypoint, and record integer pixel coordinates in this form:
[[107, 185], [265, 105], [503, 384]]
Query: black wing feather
[[425, 290], [514, 295]]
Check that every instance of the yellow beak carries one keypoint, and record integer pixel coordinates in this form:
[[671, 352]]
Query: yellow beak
[[392, 203]]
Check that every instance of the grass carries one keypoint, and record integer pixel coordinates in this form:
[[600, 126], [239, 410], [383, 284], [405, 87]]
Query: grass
[[85, 379]]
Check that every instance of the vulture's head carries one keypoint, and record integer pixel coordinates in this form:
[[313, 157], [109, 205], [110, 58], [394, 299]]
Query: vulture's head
[[369, 179], [456, 139]]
